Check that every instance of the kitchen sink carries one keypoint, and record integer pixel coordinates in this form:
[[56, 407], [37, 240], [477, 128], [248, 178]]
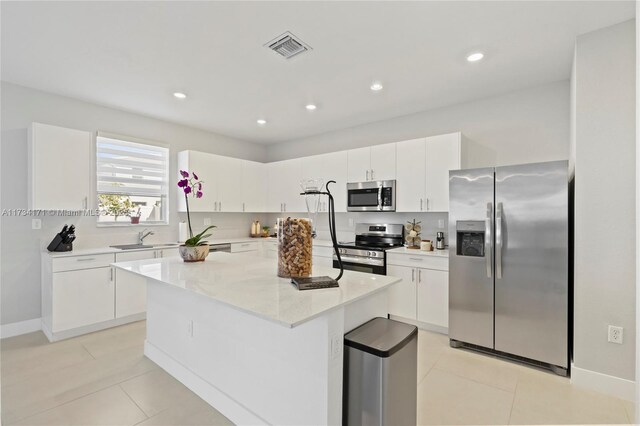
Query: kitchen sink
[[131, 246]]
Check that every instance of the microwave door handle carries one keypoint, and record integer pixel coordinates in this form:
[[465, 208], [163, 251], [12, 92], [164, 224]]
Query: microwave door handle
[[487, 239], [380, 197]]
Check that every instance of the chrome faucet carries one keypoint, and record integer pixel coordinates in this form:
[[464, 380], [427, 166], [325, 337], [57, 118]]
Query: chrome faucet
[[142, 235]]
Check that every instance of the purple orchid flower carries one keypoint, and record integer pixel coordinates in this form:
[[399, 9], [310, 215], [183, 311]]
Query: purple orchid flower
[[187, 189], [195, 176], [199, 194], [184, 174]]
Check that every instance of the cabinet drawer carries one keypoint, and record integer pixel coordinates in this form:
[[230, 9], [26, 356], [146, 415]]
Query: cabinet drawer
[[73, 263], [418, 261], [241, 247], [135, 255]]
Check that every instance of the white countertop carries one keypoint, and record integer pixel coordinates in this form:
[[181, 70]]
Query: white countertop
[[250, 283], [416, 252]]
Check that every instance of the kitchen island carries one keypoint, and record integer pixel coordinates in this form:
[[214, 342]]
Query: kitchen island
[[248, 342]]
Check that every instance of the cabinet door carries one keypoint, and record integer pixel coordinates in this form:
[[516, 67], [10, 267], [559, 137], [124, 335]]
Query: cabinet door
[[229, 184], [131, 289], [433, 297], [205, 166], [402, 296], [383, 162], [292, 175], [359, 164], [168, 252], [275, 173], [410, 171], [443, 154], [60, 172], [254, 186], [82, 297]]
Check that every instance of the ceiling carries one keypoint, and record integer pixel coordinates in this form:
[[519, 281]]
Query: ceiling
[[134, 55]]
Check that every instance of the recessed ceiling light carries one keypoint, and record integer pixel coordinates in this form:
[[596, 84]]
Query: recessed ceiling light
[[311, 107], [475, 57], [261, 121], [376, 86], [179, 95]]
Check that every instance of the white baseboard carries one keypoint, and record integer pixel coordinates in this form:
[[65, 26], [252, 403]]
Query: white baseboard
[[21, 327], [603, 383]]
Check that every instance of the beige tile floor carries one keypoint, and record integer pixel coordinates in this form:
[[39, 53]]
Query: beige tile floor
[[104, 379]]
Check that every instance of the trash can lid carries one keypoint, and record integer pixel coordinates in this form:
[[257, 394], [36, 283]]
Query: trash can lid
[[381, 336]]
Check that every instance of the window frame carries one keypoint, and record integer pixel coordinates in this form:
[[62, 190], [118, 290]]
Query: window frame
[[166, 195]]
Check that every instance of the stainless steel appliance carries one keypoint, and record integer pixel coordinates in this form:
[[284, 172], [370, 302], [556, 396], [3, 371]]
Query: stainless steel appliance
[[371, 196], [508, 262], [367, 252], [224, 247], [440, 240]]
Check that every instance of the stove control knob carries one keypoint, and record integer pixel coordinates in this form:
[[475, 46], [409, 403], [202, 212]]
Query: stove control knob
[[373, 254]]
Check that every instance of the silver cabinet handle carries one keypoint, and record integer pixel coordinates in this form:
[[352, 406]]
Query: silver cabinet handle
[[427, 204], [85, 259], [85, 203], [419, 275], [487, 239], [285, 207], [111, 274], [416, 258], [372, 174], [242, 206], [420, 204], [413, 275], [367, 175], [220, 206], [499, 240]]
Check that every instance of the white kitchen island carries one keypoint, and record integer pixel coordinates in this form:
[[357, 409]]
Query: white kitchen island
[[248, 342]]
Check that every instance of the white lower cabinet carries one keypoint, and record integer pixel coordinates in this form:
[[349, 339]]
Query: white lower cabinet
[[423, 294], [82, 297], [131, 289]]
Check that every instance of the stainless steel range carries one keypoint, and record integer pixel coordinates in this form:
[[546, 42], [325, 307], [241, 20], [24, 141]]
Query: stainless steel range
[[367, 252]]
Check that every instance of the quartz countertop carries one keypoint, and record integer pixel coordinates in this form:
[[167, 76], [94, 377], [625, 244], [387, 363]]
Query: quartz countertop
[[415, 252], [250, 283]]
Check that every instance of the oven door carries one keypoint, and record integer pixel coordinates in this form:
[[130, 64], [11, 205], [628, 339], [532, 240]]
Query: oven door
[[361, 264]]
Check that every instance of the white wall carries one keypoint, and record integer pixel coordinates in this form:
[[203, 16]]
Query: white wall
[[521, 127], [605, 251], [20, 245]]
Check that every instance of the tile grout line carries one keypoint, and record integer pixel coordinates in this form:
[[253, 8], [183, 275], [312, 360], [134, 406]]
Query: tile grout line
[[513, 400], [88, 351], [474, 380], [134, 402]]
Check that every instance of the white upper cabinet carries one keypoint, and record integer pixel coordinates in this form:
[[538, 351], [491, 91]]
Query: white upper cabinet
[[410, 185], [332, 166], [423, 172], [376, 162], [229, 185], [59, 167], [204, 165], [443, 154], [383, 162], [284, 187], [254, 186]]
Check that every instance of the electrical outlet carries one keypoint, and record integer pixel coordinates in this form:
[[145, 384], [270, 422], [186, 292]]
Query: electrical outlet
[[615, 334], [336, 346], [441, 223], [207, 221], [36, 223]]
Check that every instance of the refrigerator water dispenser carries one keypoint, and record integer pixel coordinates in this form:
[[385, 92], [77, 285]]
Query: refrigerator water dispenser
[[470, 238]]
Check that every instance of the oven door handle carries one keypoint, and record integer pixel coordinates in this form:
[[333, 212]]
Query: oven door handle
[[360, 260], [380, 197]]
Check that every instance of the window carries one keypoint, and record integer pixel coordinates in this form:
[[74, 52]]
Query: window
[[132, 181]]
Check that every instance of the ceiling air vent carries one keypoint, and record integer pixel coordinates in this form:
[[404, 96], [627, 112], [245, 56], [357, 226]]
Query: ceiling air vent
[[288, 45]]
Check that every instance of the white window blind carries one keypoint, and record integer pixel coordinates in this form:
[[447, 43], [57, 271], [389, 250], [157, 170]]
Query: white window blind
[[131, 168]]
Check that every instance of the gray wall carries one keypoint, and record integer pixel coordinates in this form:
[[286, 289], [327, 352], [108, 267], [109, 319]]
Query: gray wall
[[521, 127], [605, 252], [20, 245]]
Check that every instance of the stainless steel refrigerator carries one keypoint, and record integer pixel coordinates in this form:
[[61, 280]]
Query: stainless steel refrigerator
[[508, 262]]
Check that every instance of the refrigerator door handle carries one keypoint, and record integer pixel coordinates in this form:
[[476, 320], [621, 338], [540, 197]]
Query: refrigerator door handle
[[488, 253], [499, 240]]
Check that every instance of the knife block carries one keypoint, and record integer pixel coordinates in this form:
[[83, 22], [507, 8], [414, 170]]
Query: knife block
[[57, 245]]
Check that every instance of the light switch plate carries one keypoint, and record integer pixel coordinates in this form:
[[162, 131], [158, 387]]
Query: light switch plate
[[36, 223]]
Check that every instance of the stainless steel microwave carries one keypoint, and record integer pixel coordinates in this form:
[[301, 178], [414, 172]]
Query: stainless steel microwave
[[372, 196]]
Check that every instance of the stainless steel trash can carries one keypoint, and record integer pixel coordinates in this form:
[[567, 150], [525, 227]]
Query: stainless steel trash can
[[380, 374]]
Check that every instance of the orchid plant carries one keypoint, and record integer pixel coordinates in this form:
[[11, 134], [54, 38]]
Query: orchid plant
[[192, 185]]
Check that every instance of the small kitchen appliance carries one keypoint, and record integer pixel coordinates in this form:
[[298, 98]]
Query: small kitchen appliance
[[439, 240], [373, 196], [368, 252], [63, 241]]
